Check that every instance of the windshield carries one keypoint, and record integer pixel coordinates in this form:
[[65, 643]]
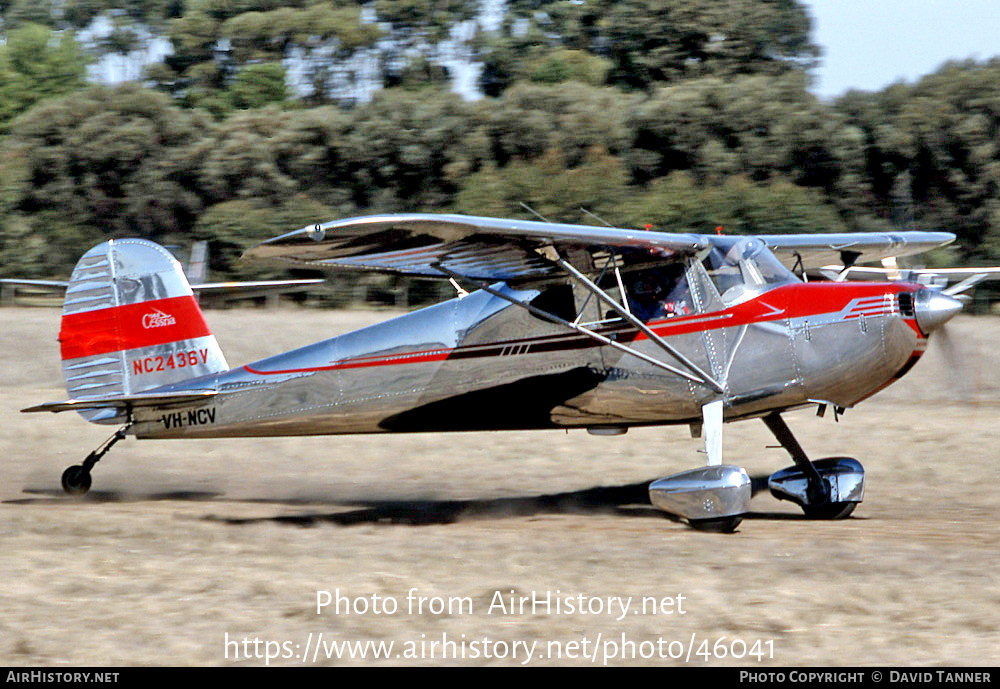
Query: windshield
[[743, 268]]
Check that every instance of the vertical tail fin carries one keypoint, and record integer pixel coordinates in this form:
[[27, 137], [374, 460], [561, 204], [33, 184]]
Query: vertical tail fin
[[131, 323]]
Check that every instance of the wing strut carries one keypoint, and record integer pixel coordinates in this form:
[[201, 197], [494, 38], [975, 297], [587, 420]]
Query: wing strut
[[625, 313], [578, 328]]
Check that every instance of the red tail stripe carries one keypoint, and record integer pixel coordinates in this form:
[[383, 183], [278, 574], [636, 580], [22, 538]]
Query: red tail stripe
[[118, 328]]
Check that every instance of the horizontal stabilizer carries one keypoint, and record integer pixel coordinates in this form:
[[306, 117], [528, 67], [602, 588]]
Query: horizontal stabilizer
[[125, 402]]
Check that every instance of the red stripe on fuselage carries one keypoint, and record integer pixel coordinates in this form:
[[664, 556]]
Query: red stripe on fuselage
[[117, 328], [790, 301]]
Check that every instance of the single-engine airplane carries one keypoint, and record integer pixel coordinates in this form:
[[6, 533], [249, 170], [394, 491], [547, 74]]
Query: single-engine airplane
[[568, 326]]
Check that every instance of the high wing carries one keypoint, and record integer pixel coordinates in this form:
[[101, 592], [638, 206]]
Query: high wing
[[501, 249], [951, 281], [813, 251], [479, 248]]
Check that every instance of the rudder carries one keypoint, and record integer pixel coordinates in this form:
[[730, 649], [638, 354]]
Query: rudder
[[131, 323]]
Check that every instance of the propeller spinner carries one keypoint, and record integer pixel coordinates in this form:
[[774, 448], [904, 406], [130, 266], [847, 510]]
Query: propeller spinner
[[933, 309]]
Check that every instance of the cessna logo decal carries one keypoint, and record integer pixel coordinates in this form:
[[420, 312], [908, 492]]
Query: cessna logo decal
[[157, 319]]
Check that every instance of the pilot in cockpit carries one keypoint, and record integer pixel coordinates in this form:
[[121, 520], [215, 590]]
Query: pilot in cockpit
[[660, 293]]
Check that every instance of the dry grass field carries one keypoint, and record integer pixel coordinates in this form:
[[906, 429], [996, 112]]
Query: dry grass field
[[181, 543]]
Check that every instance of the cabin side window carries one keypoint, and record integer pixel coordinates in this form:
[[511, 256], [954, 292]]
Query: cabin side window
[[658, 293]]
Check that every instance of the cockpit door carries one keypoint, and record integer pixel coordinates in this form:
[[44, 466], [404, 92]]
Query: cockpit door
[[753, 360], [716, 343]]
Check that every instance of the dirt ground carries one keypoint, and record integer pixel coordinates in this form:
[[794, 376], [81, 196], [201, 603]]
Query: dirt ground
[[183, 546]]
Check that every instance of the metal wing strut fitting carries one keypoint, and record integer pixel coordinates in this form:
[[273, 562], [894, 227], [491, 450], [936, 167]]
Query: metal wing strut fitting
[[702, 376], [696, 377]]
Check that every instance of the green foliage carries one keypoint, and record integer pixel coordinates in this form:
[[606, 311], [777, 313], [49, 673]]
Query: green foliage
[[41, 244], [123, 38], [569, 65], [257, 85], [683, 115], [21, 13], [234, 226], [650, 42], [80, 13], [35, 64], [404, 146], [193, 36], [756, 125], [547, 185], [677, 203], [431, 21], [932, 153], [242, 161], [531, 119], [419, 73], [22, 254], [118, 160], [257, 32]]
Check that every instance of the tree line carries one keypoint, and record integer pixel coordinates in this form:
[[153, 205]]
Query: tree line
[[685, 116]]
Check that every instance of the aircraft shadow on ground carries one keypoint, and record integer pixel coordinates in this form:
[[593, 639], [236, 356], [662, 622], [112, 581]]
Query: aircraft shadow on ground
[[630, 500], [47, 495]]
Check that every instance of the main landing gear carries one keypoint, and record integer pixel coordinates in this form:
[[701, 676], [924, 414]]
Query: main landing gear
[[712, 498], [717, 497], [828, 488], [76, 479]]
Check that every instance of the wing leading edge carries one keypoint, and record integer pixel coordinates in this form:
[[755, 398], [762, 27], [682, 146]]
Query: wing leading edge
[[503, 249], [480, 248], [818, 250]]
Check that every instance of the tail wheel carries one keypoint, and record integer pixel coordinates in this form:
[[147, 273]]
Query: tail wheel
[[76, 479]]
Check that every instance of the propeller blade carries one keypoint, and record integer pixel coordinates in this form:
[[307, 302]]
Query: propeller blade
[[956, 364]]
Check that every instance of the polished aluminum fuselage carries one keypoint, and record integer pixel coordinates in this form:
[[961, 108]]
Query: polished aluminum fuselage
[[481, 363]]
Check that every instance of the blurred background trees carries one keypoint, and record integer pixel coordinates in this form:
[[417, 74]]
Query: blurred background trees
[[255, 117]]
